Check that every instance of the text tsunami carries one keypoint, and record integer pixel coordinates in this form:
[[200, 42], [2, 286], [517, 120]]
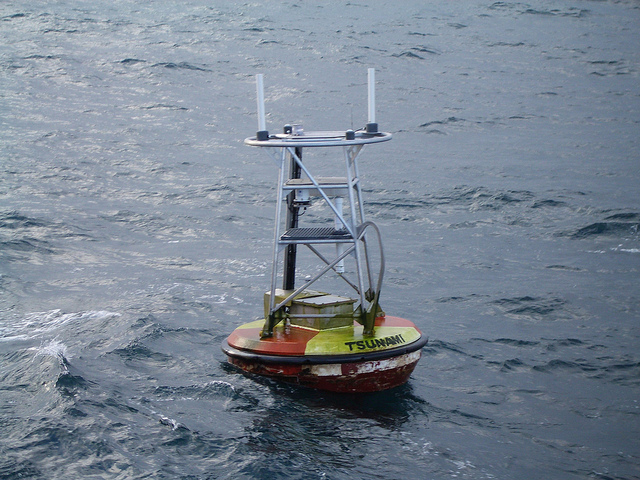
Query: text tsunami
[[376, 342]]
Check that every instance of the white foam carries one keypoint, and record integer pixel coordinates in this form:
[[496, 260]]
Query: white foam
[[175, 425], [58, 350], [222, 386], [37, 324], [626, 250], [53, 348]]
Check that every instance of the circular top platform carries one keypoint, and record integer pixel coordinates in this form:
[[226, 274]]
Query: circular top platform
[[318, 139]]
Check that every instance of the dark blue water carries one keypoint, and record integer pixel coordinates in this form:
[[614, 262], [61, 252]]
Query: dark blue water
[[135, 235]]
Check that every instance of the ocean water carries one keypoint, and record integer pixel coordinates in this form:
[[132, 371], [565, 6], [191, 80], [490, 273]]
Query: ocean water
[[136, 228]]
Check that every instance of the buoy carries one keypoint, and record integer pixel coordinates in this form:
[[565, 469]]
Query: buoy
[[329, 341]]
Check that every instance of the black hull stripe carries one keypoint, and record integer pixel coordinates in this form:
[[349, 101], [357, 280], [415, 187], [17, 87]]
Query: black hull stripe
[[323, 359]]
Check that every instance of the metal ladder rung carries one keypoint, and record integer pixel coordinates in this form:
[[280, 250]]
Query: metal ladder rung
[[322, 181], [316, 235], [332, 186]]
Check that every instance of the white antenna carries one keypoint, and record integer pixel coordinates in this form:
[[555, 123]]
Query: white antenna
[[262, 133], [372, 126]]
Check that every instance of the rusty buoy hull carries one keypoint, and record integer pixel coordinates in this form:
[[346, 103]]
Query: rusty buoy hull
[[336, 360]]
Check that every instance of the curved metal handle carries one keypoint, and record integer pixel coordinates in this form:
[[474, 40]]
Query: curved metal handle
[[369, 314]]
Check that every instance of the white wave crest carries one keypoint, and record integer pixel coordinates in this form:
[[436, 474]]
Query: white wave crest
[[37, 324], [54, 348]]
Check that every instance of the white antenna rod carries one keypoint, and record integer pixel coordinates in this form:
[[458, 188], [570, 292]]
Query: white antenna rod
[[372, 126], [372, 95], [262, 123]]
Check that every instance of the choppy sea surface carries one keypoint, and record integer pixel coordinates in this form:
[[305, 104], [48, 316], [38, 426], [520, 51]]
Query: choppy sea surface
[[136, 228]]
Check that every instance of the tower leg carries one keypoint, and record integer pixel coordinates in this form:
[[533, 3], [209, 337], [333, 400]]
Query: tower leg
[[289, 275]]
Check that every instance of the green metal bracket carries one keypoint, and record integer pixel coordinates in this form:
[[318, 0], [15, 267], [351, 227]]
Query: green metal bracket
[[369, 316], [270, 323]]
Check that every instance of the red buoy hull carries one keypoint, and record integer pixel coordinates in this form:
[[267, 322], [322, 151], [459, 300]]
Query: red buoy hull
[[338, 360], [354, 377]]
